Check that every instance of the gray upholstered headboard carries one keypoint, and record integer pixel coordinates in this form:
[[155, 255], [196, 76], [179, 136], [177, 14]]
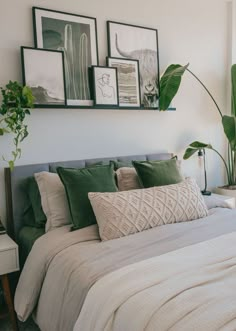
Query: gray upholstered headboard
[[16, 197]]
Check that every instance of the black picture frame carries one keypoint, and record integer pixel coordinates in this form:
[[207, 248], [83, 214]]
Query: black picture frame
[[142, 45], [127, 94], [79, 44], [44, 72], [104, 85]]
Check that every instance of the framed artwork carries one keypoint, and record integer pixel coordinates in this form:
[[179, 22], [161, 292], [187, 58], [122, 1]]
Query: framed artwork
[[128, 81], [43, 70], [76, 36], [105, 86], [138, 43]]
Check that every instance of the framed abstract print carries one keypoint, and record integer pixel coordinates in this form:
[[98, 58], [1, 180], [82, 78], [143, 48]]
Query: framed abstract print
[[128, 81]]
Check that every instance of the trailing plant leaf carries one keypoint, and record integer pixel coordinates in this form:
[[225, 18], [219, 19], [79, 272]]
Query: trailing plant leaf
[[16, 101], [170, 83]]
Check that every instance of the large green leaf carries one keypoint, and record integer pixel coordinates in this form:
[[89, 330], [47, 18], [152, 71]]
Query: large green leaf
[[169, 84], [229, 125], [200, 145], [189, 152], [233, 89], [194, 147]]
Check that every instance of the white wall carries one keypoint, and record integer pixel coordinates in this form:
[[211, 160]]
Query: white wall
[[189, 31]]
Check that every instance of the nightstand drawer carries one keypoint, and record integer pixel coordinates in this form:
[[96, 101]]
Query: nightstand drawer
[[9, 261]]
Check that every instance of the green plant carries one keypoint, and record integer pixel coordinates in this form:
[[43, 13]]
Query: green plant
[[169, 85], [16, 101]]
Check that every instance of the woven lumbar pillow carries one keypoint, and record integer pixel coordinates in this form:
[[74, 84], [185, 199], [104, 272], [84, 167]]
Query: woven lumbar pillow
[[123, 213]]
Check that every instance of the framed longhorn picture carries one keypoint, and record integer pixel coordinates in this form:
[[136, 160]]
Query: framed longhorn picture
[[138, 43]]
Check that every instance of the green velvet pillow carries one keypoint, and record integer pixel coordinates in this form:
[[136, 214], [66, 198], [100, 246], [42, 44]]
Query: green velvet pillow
[[158, 173], [78, 183], [33, 214]]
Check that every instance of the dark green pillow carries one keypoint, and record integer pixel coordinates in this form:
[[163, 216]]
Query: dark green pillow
[[33, 214], [158, 173], [78, 183]]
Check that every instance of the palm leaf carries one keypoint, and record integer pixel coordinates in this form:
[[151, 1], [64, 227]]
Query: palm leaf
[[169, 84]]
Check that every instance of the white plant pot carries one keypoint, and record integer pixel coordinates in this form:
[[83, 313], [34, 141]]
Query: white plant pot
[[225, 191]]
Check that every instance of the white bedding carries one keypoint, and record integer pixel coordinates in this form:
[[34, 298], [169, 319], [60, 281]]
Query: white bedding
[[193, 288], [63, 266]]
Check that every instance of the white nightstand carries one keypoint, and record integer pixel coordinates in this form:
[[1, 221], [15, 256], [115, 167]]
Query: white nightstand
[[9, 262], [230, 200]]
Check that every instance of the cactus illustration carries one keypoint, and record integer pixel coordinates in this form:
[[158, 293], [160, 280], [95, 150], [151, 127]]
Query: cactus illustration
[[83, 66], [69, 54], [76, 73]]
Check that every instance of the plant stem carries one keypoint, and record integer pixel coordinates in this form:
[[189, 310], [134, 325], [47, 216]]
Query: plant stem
[[227, 170], [230, 163], [209, 93]]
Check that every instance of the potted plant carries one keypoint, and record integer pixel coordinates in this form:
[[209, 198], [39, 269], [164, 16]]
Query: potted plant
[[16, 102], [169, 85]]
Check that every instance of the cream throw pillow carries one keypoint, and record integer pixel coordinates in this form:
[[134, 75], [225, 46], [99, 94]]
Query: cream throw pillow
[[127, 179], [123, 213], [53, 199]]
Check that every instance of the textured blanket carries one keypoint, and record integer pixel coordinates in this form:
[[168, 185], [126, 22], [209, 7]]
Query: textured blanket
[[63, 265], [193, 288]]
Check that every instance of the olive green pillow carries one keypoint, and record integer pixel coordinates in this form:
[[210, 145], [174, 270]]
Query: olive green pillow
[[33, 214], [78, 183], [158, 173]]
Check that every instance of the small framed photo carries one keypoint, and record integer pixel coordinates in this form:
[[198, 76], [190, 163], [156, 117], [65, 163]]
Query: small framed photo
[[128, 81], [43, 71], [76, 35], [105, 86]]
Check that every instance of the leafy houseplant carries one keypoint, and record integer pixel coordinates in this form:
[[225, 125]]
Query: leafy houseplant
[[169, 85], [16, 102]]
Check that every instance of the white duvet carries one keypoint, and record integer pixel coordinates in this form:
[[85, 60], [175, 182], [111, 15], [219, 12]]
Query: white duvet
[[193, 288], [113, 282]]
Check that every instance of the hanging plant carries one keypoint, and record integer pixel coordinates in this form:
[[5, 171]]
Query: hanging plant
[[17, 100]]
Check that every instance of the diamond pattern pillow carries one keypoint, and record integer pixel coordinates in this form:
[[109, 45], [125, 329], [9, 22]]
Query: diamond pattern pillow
[[120, 214]]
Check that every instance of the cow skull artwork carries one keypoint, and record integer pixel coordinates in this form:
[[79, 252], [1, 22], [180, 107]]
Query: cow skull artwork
[[148, 67]]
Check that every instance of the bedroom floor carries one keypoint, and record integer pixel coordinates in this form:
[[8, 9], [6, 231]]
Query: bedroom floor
[[5, 325]]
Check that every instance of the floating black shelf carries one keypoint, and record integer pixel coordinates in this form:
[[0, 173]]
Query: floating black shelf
[[105, 108]]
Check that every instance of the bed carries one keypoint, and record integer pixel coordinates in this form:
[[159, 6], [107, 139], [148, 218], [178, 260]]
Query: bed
[[175, 277]]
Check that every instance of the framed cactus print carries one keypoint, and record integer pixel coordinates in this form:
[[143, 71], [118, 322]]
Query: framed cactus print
[[76, 36], [138, 43]]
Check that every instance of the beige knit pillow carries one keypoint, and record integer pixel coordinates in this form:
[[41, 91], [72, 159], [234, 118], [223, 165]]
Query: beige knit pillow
[[127, 179], [120, 214], [53, 199]]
